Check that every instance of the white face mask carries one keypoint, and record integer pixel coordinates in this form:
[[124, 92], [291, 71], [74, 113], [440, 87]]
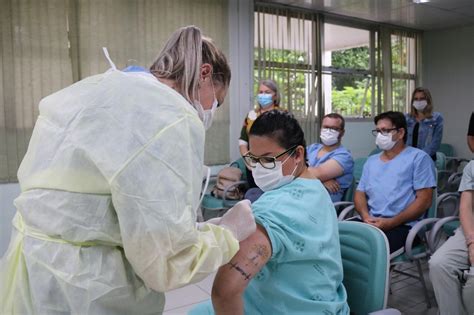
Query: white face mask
[[385, 142], [206, 115], [268, 179], [420, 105], [329, 136]]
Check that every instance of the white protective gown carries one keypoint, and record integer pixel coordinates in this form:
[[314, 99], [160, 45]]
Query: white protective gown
[[106, 219]]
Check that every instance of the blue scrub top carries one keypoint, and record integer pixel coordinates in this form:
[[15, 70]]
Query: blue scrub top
[[391, 186], [340, 155], [304, 274]]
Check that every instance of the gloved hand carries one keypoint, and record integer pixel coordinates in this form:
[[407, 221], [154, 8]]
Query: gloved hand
[[239, 220]]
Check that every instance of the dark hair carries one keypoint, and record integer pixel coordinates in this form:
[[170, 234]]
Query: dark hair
[[280, 126], [337, 116], [397, 119]]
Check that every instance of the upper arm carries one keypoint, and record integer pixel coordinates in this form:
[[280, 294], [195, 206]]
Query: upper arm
[[424, 174], [254, 253], [329, 170]]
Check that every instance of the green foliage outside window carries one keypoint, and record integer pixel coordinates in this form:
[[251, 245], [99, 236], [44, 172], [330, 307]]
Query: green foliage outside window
[[349, 90], [291, 70]]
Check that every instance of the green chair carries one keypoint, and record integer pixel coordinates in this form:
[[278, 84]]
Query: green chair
[[410, 252], [447, 149], [416, 253], [440, 161], [453, 162], [448, 211], [365, 261], [358, 168], [212, 206], [347, 198]]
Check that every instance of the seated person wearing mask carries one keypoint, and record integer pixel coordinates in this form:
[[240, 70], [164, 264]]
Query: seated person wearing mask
[[396, 187], [292, 263], [329, 161]]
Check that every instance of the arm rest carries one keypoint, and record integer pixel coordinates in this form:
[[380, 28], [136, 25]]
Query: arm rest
[[441, 199], [420, 227], [434, 234], [341, 205], [346, 212]]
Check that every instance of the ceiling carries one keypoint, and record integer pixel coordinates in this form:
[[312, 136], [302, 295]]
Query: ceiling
[[433, 15]]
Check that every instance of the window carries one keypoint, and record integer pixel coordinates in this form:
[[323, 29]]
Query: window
[[347, 80], [351, 68], [285, 52], [403, 50]]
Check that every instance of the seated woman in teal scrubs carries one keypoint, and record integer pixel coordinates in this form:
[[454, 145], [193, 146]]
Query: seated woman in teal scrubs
[[292, 263]]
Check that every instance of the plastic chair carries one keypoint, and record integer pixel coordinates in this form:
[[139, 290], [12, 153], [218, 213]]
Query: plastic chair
[[410, 252], [358, 168], [365, 261], [453, 162], [415, 253], [447, 149], [440, 161], [212, 207], [448, 211], [347, 198], [448, 181]]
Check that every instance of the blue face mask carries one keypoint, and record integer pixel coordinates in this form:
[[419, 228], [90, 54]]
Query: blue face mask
[[264, 100]]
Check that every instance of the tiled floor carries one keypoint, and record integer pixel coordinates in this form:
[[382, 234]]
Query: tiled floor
[[406, 294]]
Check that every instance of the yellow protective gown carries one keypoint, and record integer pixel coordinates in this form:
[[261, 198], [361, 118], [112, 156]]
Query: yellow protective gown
[[106, 220]]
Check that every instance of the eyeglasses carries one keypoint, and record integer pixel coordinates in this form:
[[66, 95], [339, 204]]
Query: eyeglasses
[[332, 128], [268, 162], [385, 132]]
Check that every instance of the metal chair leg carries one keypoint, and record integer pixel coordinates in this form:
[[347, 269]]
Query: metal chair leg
[[422, 279]]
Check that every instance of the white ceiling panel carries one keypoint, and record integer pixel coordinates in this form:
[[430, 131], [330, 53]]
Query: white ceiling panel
[[436, 14]]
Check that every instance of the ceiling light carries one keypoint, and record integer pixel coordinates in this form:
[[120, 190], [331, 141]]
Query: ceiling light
[[420, 1]]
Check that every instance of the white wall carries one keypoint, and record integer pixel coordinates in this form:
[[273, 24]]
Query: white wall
[[358, 137], [448, 72], [8, 192], [241, 63]]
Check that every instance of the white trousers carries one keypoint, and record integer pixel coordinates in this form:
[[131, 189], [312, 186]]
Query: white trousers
[[453, 286]]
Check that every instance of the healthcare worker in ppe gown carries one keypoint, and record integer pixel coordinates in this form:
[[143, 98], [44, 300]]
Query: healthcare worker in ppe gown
[[106, 220]]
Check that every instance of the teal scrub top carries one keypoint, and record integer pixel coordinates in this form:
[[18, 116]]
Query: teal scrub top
[[304, 274]]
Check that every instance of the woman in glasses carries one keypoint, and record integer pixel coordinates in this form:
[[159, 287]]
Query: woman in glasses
[[292, 263], [425, 127]]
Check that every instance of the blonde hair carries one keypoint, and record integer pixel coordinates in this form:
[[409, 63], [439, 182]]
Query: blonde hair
[[428, 110], [181, 58]]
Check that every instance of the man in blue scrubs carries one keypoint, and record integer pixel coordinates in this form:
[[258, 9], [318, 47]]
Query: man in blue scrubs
[[397, 184], [329, 161]]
